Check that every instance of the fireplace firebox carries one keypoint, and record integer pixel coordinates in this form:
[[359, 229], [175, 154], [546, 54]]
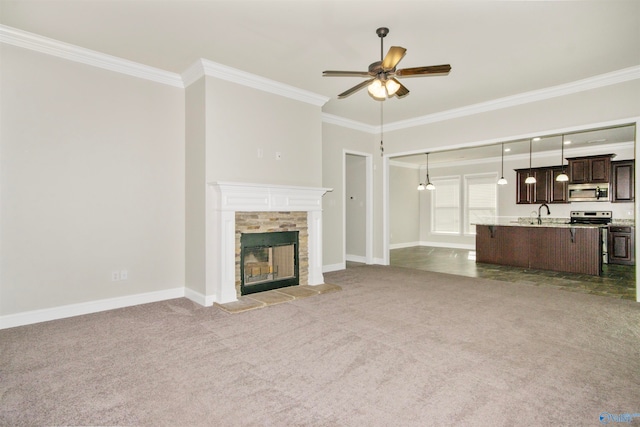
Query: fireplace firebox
[[268, 261]]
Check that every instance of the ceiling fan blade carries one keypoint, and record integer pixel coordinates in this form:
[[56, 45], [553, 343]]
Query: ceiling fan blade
[[416, 71], [402, 91], [355, 88], [331, 73], [395, 54]]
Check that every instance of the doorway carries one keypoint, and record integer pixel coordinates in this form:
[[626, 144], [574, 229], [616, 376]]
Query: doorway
[[358, 207]]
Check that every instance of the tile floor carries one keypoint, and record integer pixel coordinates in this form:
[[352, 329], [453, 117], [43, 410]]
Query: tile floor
[[276, 296], [617, 281]]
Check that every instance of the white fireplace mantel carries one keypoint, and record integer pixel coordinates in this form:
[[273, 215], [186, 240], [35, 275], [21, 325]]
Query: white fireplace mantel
[[224, 199]]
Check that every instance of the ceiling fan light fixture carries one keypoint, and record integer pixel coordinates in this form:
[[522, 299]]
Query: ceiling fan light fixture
[[378, 90]]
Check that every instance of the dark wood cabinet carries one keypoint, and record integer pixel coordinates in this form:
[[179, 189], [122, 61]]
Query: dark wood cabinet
[[621, 245], [559, 192], [545, 190], [542, 185], [590, 169], [502, 245], [524, 192], [569, 249], [623, 181]]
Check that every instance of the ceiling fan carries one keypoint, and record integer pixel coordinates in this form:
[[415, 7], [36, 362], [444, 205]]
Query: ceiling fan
[[382, 74]]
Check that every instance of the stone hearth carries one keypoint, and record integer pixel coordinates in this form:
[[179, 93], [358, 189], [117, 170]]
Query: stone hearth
[[234, 207]]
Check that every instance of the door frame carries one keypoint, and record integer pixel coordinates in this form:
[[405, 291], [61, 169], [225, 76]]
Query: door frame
[[368, 203]]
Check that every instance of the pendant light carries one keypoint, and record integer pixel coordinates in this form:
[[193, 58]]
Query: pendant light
[[563, 176], [428, 185], [502, 181], [530, 179]]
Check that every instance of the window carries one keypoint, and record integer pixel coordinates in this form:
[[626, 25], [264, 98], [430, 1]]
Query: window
[[445, 206], [480, 200]]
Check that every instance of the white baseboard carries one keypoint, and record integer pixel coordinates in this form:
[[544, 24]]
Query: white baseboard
[[198, 298], [54, 313], [471, 246], [334, 267], [404, 245], [356, 258]]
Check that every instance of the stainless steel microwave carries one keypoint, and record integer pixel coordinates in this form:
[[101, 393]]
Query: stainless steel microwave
[[589, 192]]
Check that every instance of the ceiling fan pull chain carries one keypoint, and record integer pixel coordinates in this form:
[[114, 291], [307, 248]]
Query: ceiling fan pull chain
[[381, 130]]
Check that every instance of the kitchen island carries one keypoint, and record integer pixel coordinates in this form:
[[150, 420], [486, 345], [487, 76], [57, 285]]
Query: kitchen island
[[569, 248]]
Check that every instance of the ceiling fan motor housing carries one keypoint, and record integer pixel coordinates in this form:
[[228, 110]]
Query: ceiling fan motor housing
[[382, 32]]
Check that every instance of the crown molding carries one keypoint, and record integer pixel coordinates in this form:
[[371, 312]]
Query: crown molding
[[204, 67], [595, 82], [38, 43], [35, 42], [348, 123]]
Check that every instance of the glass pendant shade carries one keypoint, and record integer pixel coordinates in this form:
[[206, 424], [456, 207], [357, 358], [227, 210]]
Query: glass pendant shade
[[421, 187], [502, 181], [563, 177], [392, 87], [530, 180], [430, 186]]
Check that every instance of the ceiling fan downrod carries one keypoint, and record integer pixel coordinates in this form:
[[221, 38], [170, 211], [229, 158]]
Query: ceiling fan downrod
[[382, 33]]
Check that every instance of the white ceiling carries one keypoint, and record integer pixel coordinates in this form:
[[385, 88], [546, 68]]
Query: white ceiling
[[496, 48]]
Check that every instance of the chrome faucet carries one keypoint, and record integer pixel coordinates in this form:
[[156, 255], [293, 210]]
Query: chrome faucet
[[540, 207]]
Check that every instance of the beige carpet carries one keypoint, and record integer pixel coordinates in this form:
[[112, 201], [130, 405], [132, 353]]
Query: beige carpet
[[395, 347]]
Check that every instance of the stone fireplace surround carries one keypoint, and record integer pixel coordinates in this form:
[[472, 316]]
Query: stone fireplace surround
[[225, 200]]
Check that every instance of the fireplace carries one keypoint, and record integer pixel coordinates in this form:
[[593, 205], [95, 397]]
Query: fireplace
[[268, 261], [234, 209]]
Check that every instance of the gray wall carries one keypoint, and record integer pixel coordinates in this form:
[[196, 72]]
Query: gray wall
[[336, 139], [92, 181], [404, 208], [233, 134]]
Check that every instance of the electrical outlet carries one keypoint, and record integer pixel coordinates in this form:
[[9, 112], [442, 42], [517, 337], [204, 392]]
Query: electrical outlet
[[278, 155], [124, 274], [115, 276]]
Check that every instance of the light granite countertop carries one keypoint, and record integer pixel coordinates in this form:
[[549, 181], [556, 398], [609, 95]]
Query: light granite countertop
[[552, 222]]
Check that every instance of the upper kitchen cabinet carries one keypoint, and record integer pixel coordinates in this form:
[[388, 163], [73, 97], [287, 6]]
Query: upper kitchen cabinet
[[559, 192], [545, 190], [622, 183], [590, 169]]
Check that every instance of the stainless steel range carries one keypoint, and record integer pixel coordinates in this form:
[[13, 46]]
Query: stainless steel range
[[590, 217], [602, 218]]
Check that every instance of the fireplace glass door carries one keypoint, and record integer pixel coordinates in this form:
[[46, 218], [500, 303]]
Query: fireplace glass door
[[268, 261]]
